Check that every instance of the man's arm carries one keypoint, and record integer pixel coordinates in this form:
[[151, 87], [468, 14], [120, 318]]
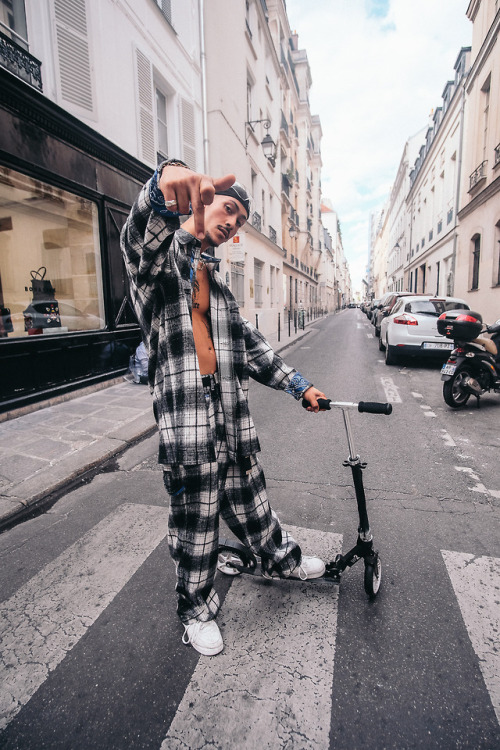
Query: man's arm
[[268, 368]]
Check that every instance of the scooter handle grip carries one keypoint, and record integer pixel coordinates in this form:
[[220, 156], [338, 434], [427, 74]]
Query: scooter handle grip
[[323, 403], [374, 407]]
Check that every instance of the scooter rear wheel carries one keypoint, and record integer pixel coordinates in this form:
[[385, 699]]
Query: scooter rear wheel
[[454, 391], [233, 554], [373, 577]]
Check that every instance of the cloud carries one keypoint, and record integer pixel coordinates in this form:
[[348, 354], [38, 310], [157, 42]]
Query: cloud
[[379, 68]]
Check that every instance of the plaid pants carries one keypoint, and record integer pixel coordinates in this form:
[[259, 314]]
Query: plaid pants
[[198, 496]]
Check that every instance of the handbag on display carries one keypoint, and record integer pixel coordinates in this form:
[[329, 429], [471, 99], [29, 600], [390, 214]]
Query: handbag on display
[[43, 310]]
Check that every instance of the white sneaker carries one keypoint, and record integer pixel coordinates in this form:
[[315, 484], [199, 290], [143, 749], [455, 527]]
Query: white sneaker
[[310, 567], [204, 637]]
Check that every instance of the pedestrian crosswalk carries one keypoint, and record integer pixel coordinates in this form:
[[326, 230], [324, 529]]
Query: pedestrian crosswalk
[[44, 620], [476, 581], [282, 634], [271, 686]]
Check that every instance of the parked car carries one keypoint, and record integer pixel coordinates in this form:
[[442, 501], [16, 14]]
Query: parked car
[[411, 328], [385, 307], [372, 307]]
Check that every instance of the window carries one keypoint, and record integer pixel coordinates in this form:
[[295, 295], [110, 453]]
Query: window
[[161, 126], [476, 257], [238, 282], [13, 21], [257, 273], [486, 111], [50, 264], [272, 284]]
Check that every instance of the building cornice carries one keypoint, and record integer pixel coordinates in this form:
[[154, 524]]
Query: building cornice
[[25, 102], [482, 197]]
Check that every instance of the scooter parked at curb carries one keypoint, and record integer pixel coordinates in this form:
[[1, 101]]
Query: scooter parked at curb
[[473, 367], [236, 558]]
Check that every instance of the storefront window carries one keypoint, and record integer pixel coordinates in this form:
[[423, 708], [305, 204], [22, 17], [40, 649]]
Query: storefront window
[[50, 264]]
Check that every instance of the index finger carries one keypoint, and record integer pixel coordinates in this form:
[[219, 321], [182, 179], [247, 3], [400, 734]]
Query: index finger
[[207, 189]]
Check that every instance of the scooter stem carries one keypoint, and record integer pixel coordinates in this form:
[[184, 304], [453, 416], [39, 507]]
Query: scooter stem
[[357, 475]]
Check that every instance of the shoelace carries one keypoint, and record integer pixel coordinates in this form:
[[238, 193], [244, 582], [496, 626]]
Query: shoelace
[[192, 631]]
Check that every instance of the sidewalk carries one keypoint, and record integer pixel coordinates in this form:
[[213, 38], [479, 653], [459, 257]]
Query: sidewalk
[[57, 442]]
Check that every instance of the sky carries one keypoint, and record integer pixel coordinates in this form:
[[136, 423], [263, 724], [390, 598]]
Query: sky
[[378, 68]]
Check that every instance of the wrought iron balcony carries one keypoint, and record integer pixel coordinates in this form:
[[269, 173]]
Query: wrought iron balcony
[[272, 234], [497, 155], [477, 175], [18, 61]]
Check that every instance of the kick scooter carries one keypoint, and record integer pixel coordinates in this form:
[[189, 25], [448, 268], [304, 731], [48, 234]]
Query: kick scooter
[[235, 558]]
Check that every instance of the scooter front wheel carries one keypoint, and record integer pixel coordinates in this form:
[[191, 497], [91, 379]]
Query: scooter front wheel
[[373, 576]]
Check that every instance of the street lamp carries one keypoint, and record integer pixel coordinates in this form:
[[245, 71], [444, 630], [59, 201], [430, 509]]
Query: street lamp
[[268, 145], [292, 231]]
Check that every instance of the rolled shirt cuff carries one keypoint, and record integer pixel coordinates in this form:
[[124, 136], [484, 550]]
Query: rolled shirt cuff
[[297, 386]]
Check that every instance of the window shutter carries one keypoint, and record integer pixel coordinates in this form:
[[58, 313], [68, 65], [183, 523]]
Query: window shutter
[[146, 119], [73, 52], [166, 8], [188, 134]]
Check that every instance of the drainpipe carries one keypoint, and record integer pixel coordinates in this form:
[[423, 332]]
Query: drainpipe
[[203, 86]]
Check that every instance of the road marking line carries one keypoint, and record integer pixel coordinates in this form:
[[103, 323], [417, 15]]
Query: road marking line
[[448, 439], [390, 390], [47, 616], [476, 582], [272, 684]]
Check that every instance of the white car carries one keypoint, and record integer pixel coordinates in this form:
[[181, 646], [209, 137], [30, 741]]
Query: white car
[[411, 328]]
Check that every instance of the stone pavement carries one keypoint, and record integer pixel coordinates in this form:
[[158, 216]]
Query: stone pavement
[[46, 447]]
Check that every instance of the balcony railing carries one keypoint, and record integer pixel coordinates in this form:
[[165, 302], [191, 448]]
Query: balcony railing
[[272, 234], [285, 185], [19, 62], [478, 175], [497, 155]]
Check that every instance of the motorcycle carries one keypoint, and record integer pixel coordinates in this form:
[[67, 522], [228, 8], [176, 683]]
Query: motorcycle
[[473, 367]]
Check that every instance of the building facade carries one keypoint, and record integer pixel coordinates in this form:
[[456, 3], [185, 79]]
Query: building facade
[[477, 276], [76, 142], [450, 241], [433, 199], [86, 115]]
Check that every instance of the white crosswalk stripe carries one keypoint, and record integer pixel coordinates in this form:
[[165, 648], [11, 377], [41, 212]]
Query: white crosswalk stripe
[[476, 582], [47, 616], [272, 684]]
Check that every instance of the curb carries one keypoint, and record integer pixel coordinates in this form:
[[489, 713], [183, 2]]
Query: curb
[[41, 492]]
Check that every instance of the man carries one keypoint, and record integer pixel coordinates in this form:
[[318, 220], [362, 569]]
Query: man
[[201, 354]]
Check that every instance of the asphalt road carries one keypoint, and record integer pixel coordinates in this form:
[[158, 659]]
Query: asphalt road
[[91, 646]]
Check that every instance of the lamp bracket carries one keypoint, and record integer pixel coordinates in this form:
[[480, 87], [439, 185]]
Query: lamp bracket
[[251, 123]]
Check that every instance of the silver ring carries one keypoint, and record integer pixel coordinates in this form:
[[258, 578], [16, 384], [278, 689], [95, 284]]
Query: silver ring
[[170, 204]]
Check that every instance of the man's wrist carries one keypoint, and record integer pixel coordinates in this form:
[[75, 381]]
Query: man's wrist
[[156, 197]]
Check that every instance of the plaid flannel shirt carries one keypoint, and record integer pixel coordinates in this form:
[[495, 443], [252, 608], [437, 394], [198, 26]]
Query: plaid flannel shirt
[[160, 258]]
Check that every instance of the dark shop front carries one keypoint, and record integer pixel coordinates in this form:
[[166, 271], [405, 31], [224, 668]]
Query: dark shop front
[[65, 193]]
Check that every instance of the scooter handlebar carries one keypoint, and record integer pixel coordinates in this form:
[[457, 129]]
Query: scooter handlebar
[[370, 407]]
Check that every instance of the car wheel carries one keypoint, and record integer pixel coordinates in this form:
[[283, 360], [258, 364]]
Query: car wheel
[[391, 358], [377, 331], [381, 346]]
